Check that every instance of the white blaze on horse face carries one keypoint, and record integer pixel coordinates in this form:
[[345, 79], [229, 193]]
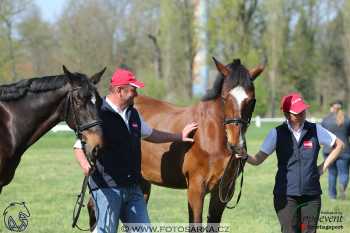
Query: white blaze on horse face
[[240, 95]]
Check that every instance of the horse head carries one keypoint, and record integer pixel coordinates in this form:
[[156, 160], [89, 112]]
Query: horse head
[[82, 110], [238, 95]]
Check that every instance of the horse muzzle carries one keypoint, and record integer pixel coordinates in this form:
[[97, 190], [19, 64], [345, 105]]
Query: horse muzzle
[[236, 149], [93, 142]]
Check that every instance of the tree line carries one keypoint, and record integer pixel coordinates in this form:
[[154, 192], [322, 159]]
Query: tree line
[[304, 43]]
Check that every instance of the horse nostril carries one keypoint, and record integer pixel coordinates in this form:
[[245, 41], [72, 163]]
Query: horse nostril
[[235, 149], [96, 149], [231, 147]]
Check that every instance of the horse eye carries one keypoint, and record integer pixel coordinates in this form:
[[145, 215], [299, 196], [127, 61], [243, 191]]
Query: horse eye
[[80, 95]]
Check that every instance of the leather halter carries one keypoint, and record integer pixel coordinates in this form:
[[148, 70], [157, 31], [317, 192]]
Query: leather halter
[[79, 128], [241, 121], [225, 198]]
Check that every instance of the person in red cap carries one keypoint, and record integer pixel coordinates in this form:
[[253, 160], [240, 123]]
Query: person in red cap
[[114, 183], [297, 187]]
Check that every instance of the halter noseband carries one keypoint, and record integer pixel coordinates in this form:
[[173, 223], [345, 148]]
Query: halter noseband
[[236, 121], [241, 121]]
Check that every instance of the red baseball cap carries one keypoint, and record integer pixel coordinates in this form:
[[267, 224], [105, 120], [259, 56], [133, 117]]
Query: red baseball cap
[[125, 77], [293, 103]]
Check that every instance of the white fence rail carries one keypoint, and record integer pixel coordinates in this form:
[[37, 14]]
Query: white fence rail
[[61, 128], [258, 121]]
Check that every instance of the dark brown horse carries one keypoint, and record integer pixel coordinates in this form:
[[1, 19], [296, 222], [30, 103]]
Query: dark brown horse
[[223, 116], [30, 108]]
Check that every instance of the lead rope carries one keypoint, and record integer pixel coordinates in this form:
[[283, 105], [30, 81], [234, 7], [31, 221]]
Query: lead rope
[[231, 189], [79, 204], [80, 197]]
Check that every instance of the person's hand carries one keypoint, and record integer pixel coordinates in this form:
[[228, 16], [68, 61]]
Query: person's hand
[[187, 130], [320, 169], [86, 168], [241, 156]]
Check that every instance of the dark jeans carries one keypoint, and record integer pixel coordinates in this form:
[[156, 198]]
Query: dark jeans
[[338, 170], [298, 214]]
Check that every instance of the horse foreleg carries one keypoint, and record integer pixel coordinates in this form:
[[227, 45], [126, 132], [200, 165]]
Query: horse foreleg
[[7, 171], [195, 193], [216, 209], [146, 189]]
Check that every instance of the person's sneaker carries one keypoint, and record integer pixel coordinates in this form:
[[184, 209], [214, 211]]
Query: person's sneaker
[[342, 192]]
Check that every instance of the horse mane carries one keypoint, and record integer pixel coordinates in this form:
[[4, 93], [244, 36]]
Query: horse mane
[[21, 88], [214, 92], [239, 77]]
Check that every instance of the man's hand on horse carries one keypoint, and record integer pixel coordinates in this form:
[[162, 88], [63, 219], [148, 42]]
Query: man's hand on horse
[[187, 130], [86, 168]]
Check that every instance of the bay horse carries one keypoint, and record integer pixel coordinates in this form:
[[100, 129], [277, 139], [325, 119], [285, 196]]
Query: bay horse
[[223, 116], [31, 107]]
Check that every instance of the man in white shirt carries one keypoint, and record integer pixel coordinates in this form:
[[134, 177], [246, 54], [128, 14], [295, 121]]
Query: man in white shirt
[[115, 181]]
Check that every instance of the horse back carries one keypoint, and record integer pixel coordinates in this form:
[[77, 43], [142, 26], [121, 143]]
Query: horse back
[[163, 115], [162, 164]]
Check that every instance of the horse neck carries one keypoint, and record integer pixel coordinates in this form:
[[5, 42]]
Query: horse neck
[[212, 136], [211, 128], [44, 108], [211, 110]]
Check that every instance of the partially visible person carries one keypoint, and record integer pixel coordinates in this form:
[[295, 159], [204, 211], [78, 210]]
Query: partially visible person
[[339, 124], [297, 191], [115, 182]]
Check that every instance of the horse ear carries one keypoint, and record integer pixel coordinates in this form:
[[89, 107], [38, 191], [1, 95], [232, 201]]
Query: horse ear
[[255, 72], [66, 71], [97, 77], [221, 68]]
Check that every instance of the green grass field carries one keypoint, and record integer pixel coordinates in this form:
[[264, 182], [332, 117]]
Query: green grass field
[[48, 180]]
